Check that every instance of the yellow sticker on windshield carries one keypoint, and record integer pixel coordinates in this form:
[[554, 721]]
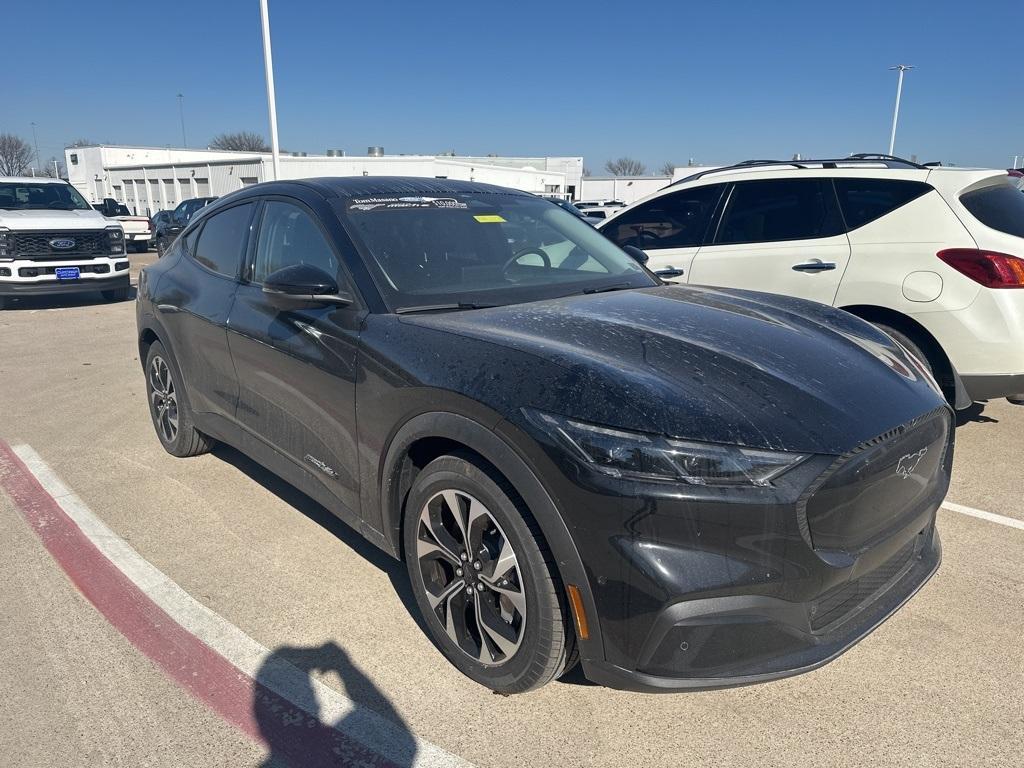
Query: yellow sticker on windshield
[[490, 218]]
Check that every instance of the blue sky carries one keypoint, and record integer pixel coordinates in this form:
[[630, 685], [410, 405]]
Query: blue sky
[[658, 80]]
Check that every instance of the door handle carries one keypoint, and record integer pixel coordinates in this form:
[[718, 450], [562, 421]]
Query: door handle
[[815, 265], [670, 272]]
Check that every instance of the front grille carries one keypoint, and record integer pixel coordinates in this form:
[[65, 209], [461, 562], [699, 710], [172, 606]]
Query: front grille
[[35, 246], [96, 269], [880, 487], [843, 600]]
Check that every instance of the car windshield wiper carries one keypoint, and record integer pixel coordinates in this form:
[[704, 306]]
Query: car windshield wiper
[[604, 289], [441, 308]]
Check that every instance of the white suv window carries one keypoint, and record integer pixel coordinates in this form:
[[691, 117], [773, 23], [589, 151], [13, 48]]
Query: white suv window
[[676, 220], [864, 200], [779, 209], [1000, 206]]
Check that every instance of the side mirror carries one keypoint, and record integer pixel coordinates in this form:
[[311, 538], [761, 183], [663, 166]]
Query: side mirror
[[303, 283], [639, 256]]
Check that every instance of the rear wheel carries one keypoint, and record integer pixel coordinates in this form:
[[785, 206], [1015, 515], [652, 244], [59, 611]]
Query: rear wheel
[[484, 578], [935, 366], [169, 407]]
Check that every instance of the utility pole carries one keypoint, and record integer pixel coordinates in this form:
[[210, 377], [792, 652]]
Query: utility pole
[[268, 64], [35, 141], [896, 112], [56, 172], [181, 114]]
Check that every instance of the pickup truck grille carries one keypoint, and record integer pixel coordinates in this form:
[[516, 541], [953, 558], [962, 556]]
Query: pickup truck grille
[[35, 246]]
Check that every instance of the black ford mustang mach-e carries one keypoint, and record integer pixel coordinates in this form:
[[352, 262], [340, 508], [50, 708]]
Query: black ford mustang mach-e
[[680, 486]]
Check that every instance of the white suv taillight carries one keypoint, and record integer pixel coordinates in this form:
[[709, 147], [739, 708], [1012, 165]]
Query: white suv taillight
[[990, 268]]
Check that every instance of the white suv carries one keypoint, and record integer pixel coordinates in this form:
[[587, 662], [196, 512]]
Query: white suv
[[52, 241], [932, 255]]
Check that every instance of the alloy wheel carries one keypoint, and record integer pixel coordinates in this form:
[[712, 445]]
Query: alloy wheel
[[164, 399], [472, 577]]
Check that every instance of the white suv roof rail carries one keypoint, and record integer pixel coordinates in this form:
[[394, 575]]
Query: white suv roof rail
[[865, 158]]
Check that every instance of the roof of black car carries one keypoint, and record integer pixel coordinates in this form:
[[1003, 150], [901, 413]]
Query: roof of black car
[[380, 186]]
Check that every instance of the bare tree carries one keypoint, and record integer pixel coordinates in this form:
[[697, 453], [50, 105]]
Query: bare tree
[[668, 169], [242, 141], [53, 168], [586, 171], [625, 166], [15, 155], [82, 143]]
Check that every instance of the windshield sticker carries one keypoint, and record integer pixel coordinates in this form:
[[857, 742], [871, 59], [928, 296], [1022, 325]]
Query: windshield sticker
[[401, 203], [491, 218]]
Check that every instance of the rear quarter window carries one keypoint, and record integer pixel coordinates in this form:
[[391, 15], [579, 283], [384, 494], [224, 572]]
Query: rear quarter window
[[865, 200], [1000, 206]]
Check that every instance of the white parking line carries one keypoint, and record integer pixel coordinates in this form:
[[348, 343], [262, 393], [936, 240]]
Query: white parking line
[[250, 657], [1010, 522]]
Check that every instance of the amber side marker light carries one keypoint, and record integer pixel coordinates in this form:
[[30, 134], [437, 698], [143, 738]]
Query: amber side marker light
[[576, 600]]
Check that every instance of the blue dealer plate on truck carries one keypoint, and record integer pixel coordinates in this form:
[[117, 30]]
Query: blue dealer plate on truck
[[66, 273]]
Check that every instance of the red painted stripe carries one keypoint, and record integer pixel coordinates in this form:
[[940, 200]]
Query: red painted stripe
[[291, 733]]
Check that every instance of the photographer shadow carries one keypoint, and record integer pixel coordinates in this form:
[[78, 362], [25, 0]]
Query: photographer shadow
[[307, 728]]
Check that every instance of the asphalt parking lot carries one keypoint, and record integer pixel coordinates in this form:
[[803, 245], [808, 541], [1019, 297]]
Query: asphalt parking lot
[[940, 683]]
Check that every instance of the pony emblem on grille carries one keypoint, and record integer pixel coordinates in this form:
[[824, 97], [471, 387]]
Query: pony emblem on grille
[[907, 464]]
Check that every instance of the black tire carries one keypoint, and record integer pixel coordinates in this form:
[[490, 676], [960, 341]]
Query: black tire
[[159, 248], [547, 645], [118, 294], [184, 440]]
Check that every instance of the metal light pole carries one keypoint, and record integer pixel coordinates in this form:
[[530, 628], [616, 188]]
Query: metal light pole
[[36, 142], [181, 114], [896, 112], [268, 63]]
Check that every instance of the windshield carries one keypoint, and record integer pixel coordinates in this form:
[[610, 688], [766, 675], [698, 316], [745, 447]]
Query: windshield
[[23, 195], [483, 249]]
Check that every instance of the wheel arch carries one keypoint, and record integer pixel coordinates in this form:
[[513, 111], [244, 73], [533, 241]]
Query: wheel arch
[[945, 372], [429, 435]]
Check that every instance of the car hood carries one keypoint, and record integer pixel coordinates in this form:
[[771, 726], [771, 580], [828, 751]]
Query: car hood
[[50, 219], [726, 366]]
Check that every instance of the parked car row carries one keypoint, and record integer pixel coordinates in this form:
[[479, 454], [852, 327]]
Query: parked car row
[[675, 486], [930, 255]]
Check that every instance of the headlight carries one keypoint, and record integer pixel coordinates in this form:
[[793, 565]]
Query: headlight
[[5, 243], [115, 236], [651, 457]]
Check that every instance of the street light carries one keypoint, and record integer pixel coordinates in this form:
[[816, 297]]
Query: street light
[[35, 141], [268, 64], [896, 113], [181, 114]]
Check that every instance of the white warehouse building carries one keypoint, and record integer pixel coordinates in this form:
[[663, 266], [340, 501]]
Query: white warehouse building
[[150, 179]]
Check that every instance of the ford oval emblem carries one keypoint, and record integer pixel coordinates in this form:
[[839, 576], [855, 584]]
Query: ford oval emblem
[[62, 243]]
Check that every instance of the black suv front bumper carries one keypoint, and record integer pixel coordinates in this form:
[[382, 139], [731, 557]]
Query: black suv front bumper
[[754, 639]]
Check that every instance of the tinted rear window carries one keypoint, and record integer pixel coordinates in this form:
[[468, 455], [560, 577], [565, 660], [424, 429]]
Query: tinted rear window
[[779, 209], [864, 200], [1000, 206], [222, 239]]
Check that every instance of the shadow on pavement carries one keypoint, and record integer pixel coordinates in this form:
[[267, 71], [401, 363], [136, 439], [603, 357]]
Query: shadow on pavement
[[394, 569], [61, 300], [974, 414], [290, 717]]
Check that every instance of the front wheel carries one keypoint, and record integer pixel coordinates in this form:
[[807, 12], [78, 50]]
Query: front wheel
[[169, 406], [483, 577]]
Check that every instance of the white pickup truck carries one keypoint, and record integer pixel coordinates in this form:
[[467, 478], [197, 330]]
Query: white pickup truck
[[52, 241], [137, 229]]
